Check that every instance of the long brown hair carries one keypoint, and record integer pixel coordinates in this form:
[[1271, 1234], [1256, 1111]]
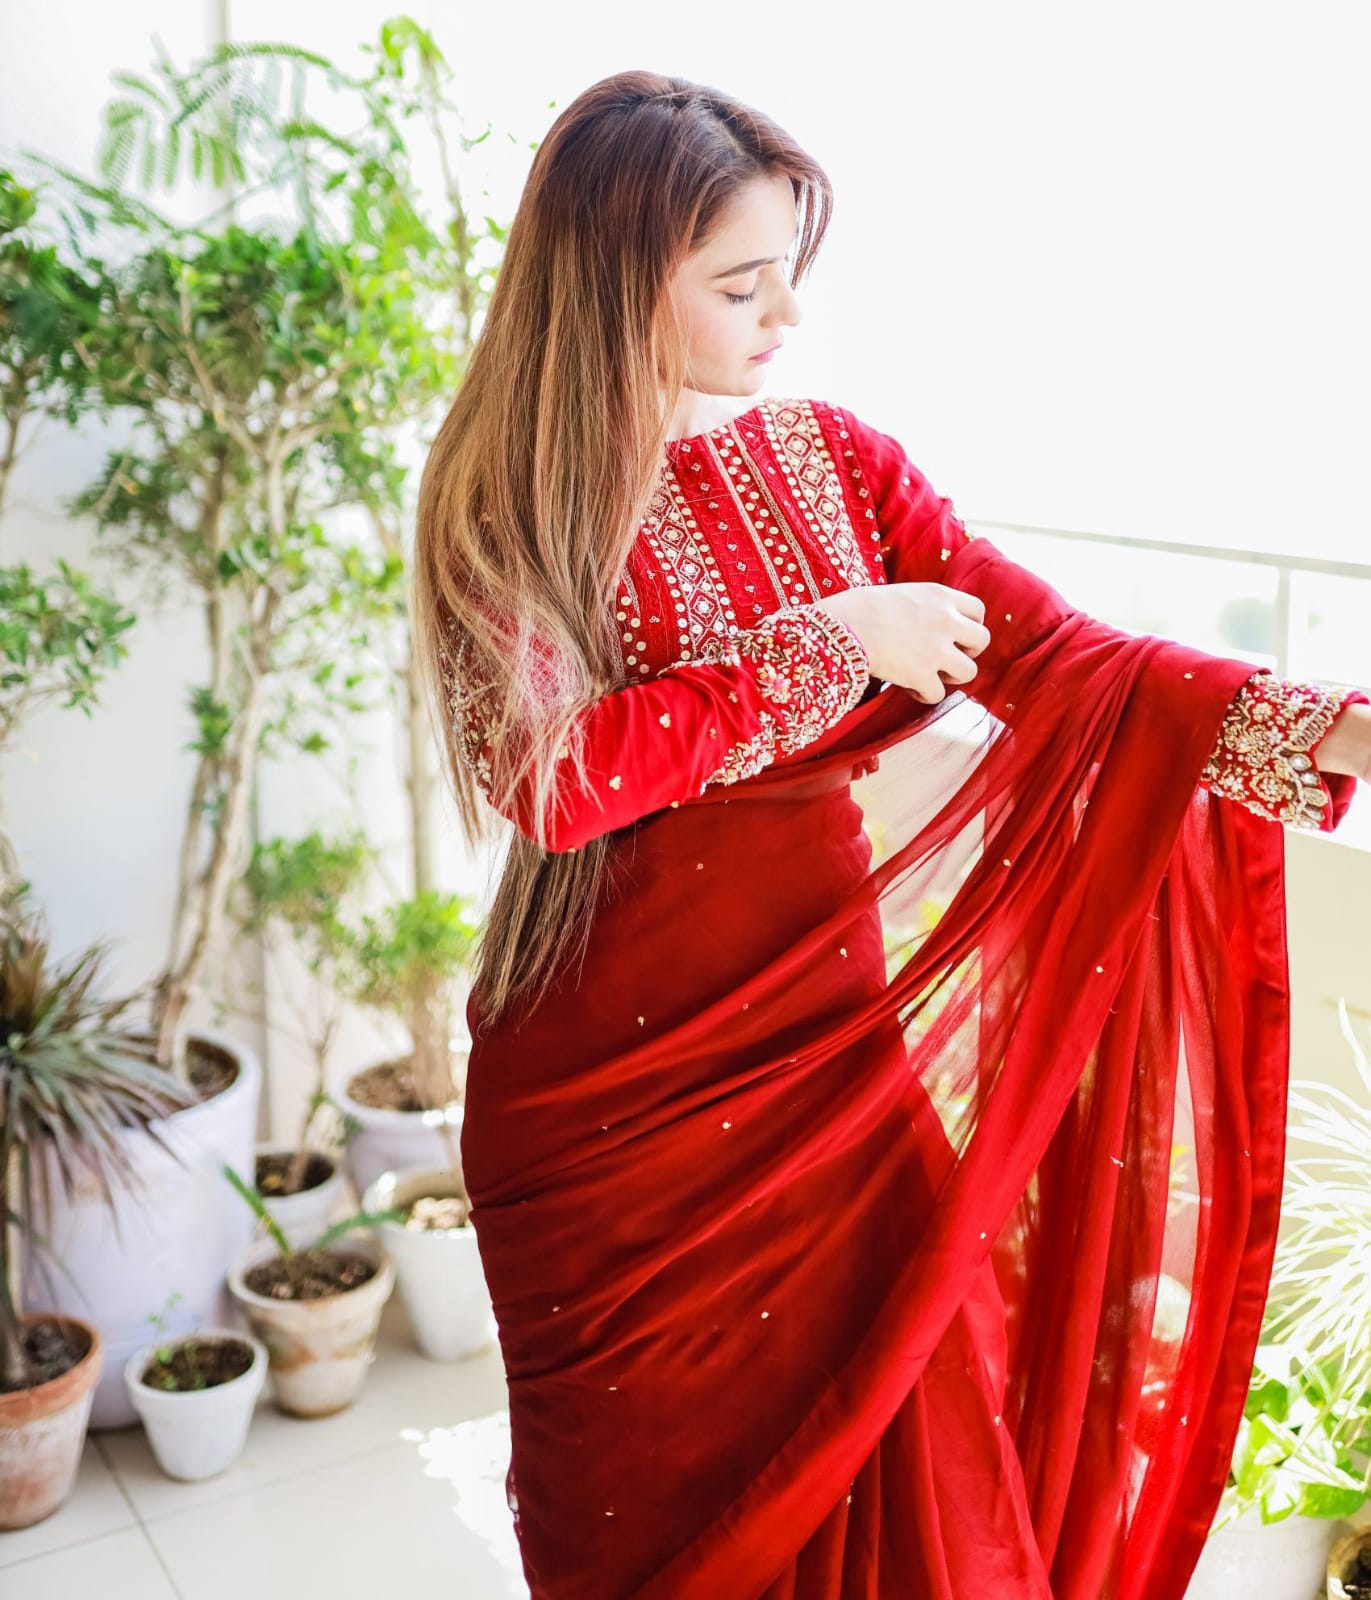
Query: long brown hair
[[540, 475]]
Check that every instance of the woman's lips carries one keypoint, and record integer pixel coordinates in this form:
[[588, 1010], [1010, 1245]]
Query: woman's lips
[[766, 355]]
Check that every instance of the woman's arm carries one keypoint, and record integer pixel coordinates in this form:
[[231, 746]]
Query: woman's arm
[[717, 718], [1264, 757]]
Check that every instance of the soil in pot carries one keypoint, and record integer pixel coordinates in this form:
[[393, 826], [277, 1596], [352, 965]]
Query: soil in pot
[[210, 1067], [318, 1274], [275, 1169], [52, 1349], [436, 1213], [198, 1364], [390, 1086]]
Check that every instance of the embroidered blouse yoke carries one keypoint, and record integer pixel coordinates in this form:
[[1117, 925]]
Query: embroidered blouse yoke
[[727, 664]]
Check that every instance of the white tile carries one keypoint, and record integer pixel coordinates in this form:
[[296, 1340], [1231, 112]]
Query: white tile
[[402, 1391], [94, 1507], [426, 1514], [119, 1566]]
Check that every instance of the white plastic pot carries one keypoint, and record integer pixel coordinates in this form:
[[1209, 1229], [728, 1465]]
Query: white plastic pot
[[392, 1141], [303, 1217], [318, 1350], [178, 1231], [441, 1280], [196, 1433], [1285, 1560]]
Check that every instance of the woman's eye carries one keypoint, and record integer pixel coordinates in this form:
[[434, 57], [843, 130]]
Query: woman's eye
[[742, 299]]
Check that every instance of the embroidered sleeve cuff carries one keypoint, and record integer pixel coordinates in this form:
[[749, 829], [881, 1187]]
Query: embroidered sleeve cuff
[[1263, 756], [808, 665]]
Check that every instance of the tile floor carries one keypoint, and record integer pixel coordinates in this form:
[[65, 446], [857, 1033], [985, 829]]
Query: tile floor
[[404, 1491]]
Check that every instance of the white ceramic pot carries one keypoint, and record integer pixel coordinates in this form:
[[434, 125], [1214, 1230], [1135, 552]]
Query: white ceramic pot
[[318, 1350], [391, 1141], [303, 1217], [441, 1280], [196, 1433], [178, 1231], [42, 1433], [1285, 1560]]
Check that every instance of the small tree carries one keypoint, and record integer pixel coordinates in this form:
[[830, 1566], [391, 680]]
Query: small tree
[[59, 635], [299, 890]]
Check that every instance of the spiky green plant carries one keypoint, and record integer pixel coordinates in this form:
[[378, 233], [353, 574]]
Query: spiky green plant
[[71, 1085]]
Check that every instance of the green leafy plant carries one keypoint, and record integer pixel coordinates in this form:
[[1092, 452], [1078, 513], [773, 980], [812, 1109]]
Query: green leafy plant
[[405, 962], [298, 891], [60, 634], [1306, 1443], [1288, 1459], [265, 376]]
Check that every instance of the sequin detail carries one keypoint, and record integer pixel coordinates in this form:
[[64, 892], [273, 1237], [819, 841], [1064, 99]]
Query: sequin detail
[[462, 698], [808, 663], [1261, 758]]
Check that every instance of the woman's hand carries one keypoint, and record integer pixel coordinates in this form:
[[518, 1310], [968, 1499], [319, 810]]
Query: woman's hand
[[918, 635]]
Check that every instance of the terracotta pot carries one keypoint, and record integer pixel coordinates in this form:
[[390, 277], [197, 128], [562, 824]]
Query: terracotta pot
[[42, 1432]]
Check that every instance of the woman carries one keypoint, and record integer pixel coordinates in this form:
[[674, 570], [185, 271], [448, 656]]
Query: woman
[[824, 1238]]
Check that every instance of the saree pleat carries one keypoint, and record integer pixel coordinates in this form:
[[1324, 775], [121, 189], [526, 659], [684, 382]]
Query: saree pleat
[[826, 1243]]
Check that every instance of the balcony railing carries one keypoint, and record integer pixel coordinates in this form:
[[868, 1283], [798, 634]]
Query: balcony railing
[[1303, 616]]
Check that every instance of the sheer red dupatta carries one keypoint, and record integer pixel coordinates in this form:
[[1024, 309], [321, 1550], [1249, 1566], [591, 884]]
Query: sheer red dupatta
[[872, 1243]]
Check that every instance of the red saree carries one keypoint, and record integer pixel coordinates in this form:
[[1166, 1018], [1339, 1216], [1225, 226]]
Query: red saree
[[825, 1238]]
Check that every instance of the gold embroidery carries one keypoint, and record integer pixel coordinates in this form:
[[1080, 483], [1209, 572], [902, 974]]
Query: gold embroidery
[[799, 445], [808, 661], [693, 551], [465, 713], [1261, 758]]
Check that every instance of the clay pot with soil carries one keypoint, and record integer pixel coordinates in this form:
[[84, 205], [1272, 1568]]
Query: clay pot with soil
[[43, 1424], [316, 1309], [437, 1263], [196, 1396]]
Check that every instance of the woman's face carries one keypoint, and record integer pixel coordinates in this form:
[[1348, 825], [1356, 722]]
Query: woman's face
[[733, 292]]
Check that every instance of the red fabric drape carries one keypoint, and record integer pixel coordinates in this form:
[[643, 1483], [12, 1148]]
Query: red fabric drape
[[825, 1245]]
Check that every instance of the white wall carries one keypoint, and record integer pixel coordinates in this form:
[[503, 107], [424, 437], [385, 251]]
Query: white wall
[[1099, 269]]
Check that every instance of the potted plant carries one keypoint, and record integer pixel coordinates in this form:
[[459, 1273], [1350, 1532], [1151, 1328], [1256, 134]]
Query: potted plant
[[247, 424], [71, 1086], [1289, 1483], [196, 1395], [293, 898], [316, 1309], [1300, 1461], [408, 1107], [437, 1262]]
